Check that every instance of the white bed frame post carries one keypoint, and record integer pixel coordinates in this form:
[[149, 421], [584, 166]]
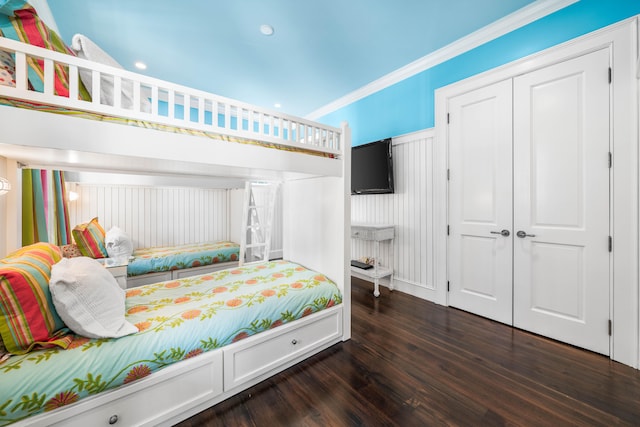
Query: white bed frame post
[[345, 144], [317, 217]]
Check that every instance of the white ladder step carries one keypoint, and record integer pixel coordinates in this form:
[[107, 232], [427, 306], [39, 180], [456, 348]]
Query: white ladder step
[[259, 205]]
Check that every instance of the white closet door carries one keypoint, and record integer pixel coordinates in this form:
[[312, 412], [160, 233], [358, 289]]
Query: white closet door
[[561, 201], [480, 204]]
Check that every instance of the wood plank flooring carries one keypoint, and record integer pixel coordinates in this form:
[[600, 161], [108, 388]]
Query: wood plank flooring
[[414, 363]]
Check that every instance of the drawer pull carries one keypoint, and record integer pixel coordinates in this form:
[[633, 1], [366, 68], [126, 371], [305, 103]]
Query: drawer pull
[[113, 419], [294, 342]]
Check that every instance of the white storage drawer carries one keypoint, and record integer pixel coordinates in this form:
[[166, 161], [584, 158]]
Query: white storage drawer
[[201, 383], [252, 357], [146, 279], [376, 233]]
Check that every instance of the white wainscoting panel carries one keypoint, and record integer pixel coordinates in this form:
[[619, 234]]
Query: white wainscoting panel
[[154, 216], [409, 209]]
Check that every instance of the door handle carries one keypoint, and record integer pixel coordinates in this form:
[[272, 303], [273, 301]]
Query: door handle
[[504, 233], [521, 234]]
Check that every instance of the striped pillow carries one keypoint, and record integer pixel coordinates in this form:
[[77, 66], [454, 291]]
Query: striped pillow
[[90, 239], [28, 319], [19, 21]]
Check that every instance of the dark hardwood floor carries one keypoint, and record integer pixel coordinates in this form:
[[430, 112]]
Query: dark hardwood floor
[[414, 363]]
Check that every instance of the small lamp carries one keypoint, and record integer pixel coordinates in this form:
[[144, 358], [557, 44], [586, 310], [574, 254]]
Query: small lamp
[[5, 186]]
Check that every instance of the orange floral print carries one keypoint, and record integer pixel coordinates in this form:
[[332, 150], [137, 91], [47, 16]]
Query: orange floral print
[[191, 314], [276, 324], [219, 289], [236, 271], [133, 292], [195, 263], [307, 311], [268, 292], [234, 257], [297, 285], [171, 285], [277, 275], [300, 269], [240, 336], [320, 278], [137, 309], [181, 300], [136, 373], [61, 399], [143, 326], [194, 353], [251, 282], [331, 303], [203, 278], [77, 342], [234, 302]]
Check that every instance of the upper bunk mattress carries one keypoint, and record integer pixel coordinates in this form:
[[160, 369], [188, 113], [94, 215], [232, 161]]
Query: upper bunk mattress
[[152, 260], [9, 102], [176, 320]]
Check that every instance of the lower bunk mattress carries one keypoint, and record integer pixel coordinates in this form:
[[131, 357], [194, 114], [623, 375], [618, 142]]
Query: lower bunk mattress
[[176, 320], [167, 258]]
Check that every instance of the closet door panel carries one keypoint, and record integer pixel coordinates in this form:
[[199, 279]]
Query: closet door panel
[[480, 205], [561, 201]]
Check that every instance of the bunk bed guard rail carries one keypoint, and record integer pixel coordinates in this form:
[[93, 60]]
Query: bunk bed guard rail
[[162, 102]]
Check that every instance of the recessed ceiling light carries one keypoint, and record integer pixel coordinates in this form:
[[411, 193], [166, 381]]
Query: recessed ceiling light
[[266, 29], [140, 65]]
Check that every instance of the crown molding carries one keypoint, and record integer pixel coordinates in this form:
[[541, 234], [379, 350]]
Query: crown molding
[[518, 19]]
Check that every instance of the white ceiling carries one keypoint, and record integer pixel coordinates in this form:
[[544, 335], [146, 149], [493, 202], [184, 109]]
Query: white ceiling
[[321, 50]]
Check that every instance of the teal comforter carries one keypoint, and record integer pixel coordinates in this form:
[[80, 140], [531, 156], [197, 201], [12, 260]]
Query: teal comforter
[[176, 320], [152, 260]]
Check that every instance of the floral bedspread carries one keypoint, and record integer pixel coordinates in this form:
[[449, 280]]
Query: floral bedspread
[[151, 260], [176, 320]]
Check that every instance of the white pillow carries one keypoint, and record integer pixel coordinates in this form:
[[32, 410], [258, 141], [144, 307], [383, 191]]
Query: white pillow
[[88, 299], [118, 243], [85, 48]]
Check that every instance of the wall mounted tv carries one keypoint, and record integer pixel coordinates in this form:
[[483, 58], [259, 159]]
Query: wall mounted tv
[[372, 168]]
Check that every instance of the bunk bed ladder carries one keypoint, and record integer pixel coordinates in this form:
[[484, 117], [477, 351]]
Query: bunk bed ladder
[[259, 205]]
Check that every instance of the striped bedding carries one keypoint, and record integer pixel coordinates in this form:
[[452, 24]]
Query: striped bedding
[[176, 320]]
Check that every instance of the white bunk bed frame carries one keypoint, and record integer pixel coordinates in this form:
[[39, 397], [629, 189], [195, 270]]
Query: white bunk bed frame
[[315, 202]]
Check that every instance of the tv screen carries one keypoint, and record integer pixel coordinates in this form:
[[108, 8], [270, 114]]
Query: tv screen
[[372, 168]]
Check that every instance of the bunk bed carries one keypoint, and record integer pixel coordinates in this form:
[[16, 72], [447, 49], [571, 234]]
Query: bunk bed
[[186, 132]]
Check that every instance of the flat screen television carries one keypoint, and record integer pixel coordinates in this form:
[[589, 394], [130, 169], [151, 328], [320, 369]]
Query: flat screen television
[[372, 168]]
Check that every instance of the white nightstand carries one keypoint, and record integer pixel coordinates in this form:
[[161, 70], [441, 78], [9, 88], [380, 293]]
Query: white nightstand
[[376, 233], [118, 268]]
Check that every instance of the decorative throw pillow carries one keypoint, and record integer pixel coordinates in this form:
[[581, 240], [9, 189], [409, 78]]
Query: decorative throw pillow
[[118, 243], [90, 239], [89, 299], [28, 319], [7, 69], [70, 251], [19, 21]]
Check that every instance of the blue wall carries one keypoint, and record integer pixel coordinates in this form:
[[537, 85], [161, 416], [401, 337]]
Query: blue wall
[[408, 106]]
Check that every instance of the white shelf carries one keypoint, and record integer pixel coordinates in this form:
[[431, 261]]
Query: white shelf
[[372, 273], [376, 233]]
